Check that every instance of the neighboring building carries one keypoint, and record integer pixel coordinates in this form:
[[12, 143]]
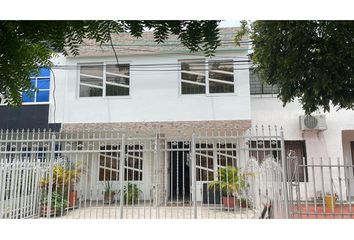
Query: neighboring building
[[34, 112], [335, 141]]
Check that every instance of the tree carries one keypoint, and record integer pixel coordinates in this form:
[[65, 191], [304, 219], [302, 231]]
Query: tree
[[309, 60], [25, 46]]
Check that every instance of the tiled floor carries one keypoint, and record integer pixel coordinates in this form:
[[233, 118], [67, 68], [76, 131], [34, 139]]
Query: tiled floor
[[140, 212]]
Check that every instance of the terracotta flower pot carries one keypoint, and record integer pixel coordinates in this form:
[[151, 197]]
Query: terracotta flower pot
[[229, 202], [72, 199]]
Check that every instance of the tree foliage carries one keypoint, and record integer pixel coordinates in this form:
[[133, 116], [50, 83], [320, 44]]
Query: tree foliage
[[312, 61], [25, 46]]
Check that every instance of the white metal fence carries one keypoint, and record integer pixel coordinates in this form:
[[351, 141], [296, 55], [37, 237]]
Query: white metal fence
[[205, 174], [320, 188]]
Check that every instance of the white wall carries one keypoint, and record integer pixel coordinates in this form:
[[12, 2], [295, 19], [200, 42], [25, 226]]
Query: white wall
[[269, 110], [154, 96], [327, 144]]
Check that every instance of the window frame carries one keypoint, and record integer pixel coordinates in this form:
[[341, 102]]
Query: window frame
[[104, 79], [103, 152], [217, 150], [207, 90], [38, 90]]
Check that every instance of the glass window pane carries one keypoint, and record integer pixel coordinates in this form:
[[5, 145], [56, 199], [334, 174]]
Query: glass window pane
[[27, 97], [33, 82], [43, 83], [92, 81], [193, 72], [109, 163], [121, 69], [116, 91], [42, 96], [204, 175], [222, 71], [116, 79], [44, 72], [188, 88], [215, 87], [93, 70], [123, 78], [86, 91]]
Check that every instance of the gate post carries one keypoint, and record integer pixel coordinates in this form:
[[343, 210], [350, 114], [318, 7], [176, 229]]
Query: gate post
[[51, 165], [121, 175], [194, 176], [285, 174]]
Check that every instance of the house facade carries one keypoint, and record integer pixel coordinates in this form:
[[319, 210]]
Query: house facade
[[153, 88], [158, 92]]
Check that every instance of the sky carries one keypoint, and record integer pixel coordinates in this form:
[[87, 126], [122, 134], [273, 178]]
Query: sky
[[230, 23]]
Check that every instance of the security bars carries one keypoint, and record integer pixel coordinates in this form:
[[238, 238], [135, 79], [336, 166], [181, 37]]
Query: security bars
[[210, 173]]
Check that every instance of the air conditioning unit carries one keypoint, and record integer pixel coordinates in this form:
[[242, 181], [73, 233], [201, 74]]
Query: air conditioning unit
[[313, 123]]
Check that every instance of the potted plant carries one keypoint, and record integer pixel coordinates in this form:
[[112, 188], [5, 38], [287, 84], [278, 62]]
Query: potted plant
[[108, 193], [72, 176], [131, 193], [63, 182], [58, 199], [330, 200], [231, 182]]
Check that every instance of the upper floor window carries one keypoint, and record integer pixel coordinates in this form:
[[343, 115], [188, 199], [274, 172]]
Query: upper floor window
[[41, 88], [207, 77], [258, 87], [100, 80]]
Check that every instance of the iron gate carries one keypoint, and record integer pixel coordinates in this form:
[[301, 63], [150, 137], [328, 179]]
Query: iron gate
[[233, 173]]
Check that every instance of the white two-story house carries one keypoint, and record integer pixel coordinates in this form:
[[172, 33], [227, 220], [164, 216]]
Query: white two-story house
[[167, 87], [164, 90], [154, 88]]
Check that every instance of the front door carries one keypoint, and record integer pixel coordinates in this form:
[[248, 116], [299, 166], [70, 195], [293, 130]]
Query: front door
[[179, 172]]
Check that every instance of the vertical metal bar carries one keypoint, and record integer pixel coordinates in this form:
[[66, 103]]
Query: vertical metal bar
[[285, 182], [158, 174], [3, 186], [323, 190], [25, 189], [183, 180], [116, 176], [165, 175], [194, 176], [121, 174], [51, 176], [349, 168], [306, 179], [331, 186], [314, 185], [171, 177], [340, 187]]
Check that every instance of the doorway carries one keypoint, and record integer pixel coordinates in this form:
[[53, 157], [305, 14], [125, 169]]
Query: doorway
[[179, 171]]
